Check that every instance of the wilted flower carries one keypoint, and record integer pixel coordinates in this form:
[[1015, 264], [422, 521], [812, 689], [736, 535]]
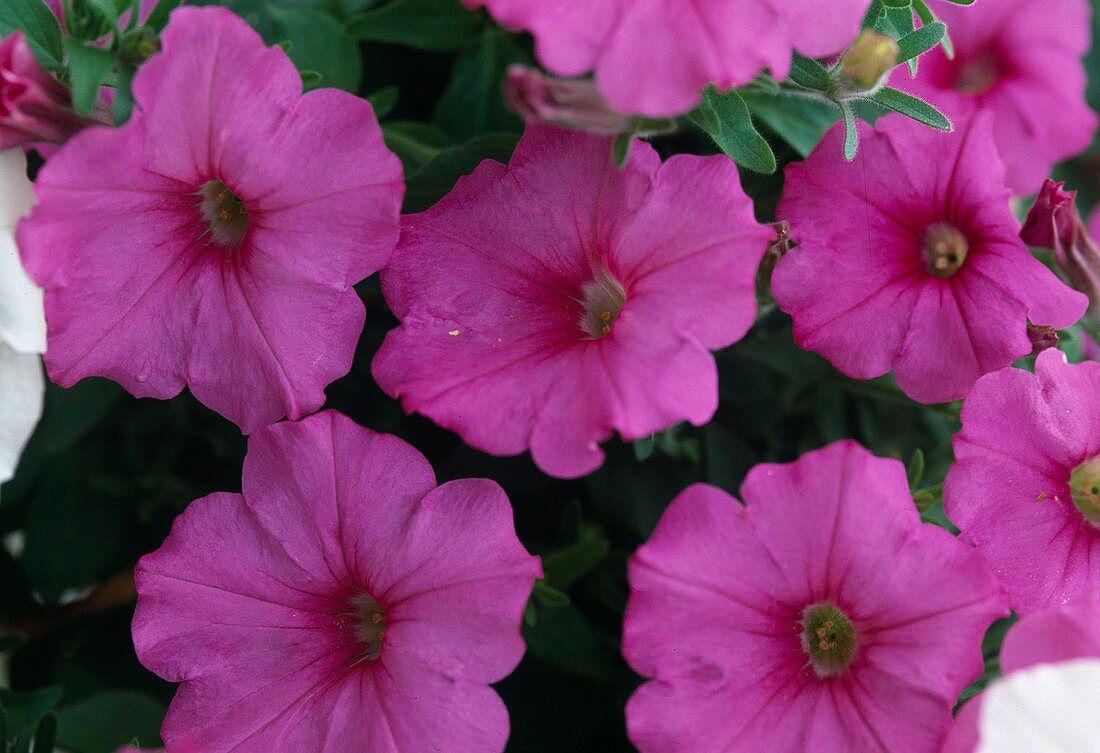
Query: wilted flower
[[22, 326], [1021, 60], [569, 103], [550, 302], [1025, 489], [820, 616], [653, 58], [907, 265], [212, 242], [343, 602], [34, 107]]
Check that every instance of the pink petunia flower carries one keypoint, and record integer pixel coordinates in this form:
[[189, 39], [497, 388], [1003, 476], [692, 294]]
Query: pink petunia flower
[[1036, 706], [552, 301], [343, 603], [910, 259], [653, 57], [820, 616], [212, 241], [34, 107], [1021, 60], [1025, 489]]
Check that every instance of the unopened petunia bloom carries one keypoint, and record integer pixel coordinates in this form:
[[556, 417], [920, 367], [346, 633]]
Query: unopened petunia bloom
[[212, 242], [1025, 489], [569, 103], [34, 107], [820, 616], [547, 303], [653, 57], [1047, 701], [342, 603], [22, 326], [1021, 60], [909, 259]]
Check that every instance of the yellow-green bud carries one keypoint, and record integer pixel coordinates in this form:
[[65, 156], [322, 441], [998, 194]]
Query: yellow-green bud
[[868, 60]]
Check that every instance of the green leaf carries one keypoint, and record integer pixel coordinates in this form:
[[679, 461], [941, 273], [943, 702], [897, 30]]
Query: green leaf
[[920, 41], [620, 148], [564, 567], [799, 121], [73, 533], [24, 709], [439, 25], [915, 471], [926, 16], [123, 105], [851, 131], [107, 721], [549, 596], [40, 27], [736, 135], [318, 43], [45, 737], [912, 107], [158, 19], [874, 12], [415, 143], [433, 181], [383, 100], [473, 104], [89, 68], [809, 73]]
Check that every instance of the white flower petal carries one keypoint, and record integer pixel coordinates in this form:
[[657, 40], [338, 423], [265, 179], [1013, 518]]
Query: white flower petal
[[1049, 708], [22, 323], [16, 191], [22, 387]]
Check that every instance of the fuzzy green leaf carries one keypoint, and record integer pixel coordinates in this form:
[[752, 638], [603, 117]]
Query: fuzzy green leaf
[[912, 107]]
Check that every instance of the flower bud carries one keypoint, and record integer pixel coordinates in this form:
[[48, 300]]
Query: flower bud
[[570, 103], [1042, 337], [138, 46], [1055, 223], [34, 107], [865, 64]]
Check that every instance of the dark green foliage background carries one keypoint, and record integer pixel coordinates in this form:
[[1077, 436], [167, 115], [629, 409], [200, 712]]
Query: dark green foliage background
[[105, 474]]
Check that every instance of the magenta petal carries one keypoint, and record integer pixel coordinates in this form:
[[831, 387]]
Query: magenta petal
[[1055, 635], [858, 287], [213, 240], [492, 287], [721, 597], [342, 603], [1022, 437], [653, 57]]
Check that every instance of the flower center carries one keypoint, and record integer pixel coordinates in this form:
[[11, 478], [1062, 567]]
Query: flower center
[[828, 638], [1084, 483], [977, 76], [944, 250], [370, 625], [603, 300], [224, 212]]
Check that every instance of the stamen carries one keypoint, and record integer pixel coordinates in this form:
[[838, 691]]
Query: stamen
[[370, 626], [224, 212], [945, 249], [828, 638], [1084, 484], [603, 299]]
